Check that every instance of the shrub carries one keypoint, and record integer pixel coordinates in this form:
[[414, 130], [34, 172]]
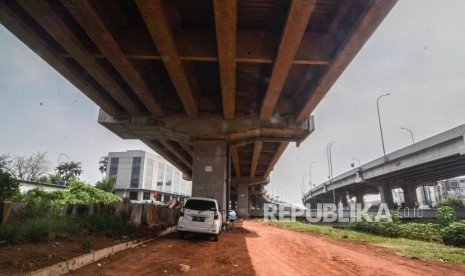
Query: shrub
[[445, 215], [454, 202], [416, 231], [381, 227], [82, 193], [38, 229], [429, 232], [454, 234], [40, 203]]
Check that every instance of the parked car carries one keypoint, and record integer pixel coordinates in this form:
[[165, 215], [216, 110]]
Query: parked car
[[200, 215], [232, 215]]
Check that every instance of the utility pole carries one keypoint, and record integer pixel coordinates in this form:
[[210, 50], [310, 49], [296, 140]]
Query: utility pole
[[310, 173], [379, 119], [330, 168]]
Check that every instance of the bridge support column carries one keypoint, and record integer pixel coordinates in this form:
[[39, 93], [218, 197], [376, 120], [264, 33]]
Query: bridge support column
[[243, 206], [209, 170], [339, 201], [359, 199], [410, 195], [386, 195], [343, 200]]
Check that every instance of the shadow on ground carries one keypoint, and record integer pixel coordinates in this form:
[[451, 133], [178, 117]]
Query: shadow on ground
[[198, 254]]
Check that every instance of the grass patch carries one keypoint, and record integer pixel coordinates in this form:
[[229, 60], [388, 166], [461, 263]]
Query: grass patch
[[405, 247], [46, 228]]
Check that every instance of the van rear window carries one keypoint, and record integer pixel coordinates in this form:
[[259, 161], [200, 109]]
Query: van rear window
[[200, 205]]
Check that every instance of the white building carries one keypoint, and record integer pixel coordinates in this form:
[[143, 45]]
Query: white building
[[453, 187], [144, 176]]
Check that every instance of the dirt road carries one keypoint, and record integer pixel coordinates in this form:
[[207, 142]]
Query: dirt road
[[260, 249]]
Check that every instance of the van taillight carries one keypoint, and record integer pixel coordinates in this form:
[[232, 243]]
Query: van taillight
[[216, 216]]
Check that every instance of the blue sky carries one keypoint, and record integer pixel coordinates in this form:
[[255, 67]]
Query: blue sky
[[417, 55]]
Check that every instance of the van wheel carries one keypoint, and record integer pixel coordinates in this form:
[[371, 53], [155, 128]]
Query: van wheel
[[180, 235], [216, 237]]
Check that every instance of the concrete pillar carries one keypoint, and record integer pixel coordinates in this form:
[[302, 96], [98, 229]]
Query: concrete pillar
[[410, 195], [386, 195], [209, 170], [359, 199], [242, 209], [343, 200]]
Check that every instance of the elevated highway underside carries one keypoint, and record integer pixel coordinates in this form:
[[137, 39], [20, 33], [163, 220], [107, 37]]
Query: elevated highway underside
[[172, 73]]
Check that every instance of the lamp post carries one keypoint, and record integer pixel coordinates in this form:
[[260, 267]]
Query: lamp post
[[330, 168], [310, 173], [379, 119], [411, 133], [359, 164]]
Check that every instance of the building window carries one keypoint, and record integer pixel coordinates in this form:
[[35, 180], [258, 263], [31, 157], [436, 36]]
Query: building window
[[133, 195], [159, 197], [149, 174], [135, 172], [169, 176], [146, 196], [161, 174], [114, 161]]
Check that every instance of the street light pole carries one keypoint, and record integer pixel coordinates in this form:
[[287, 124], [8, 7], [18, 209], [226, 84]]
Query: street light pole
[[359, 164], [411, 133], [379, 119], [310, 173], [330, 168]]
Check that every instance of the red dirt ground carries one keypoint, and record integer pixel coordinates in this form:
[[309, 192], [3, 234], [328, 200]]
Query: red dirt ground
[[21, 259], [261, 249]]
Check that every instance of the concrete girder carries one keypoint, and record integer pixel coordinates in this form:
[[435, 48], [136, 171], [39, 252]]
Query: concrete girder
[[186, 130]]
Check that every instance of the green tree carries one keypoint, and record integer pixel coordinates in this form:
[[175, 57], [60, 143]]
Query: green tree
[[9, 187], [107, 184], [103, 163], [53, 178], [445, 215], [69, 170]]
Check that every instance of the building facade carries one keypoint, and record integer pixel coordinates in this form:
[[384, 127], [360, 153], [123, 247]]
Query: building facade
[[453, 187], [142, 176]]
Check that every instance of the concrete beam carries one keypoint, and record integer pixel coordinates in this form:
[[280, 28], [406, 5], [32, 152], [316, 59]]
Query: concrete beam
[[157, 23], [95, 28], [372, 18], [28, 36], [226, 24], [296, 24], [44, 15], [211, 127]]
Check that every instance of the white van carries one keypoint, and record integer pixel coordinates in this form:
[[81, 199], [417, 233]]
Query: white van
[[200, 215]]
